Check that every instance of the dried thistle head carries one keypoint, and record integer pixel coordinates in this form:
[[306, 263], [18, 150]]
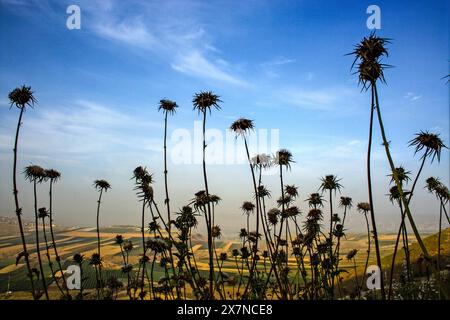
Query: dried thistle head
[[263, 192], [430, 142], [369, 53], [330, 182], [283, 158], [291, 190], [315, 200], [242, 126], [52, 175], [43, 213], [102, 185], [248, 207], [262, 160], [34, 173], [402, 175], [315, 214], [22, 97], [243, 233], [216, 232], [371, 48], [78, 258], [223, 256], [346, 202], [290, 212], [394, 194], [214, 199], [363, 207], [272, 216], [168, 106], [119, 239], [443, 193], [205, 100], [95, 260], [432, 183]]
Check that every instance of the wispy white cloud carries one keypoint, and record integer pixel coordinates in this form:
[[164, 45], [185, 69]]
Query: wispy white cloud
[[411, 96], [324, 99], [278, 62], [181, 41], [81, 131], [196, 64]]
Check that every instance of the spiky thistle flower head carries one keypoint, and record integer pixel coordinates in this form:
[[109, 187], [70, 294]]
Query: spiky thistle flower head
[[443, 193], [402, 175], [43, 213], [346, 202], [283, 157], [432, 184], [315, 214], [363, 207], [272, 216], [223, 256], [243, 233], [242, 126], [205, 100], [143, 180], [78, 258], [430, 142], [291, 212], [291, 190], [284, 200], [394, 194], [34, 173], [119, 239], [248, 207], [168, 106], [370, 48], [263, 192], [22, 97], [262, 160], [95, 260], [52, 175], [216, 231], [369, 52], [315, 200], [214, 199], [102, 185], [330, 182]]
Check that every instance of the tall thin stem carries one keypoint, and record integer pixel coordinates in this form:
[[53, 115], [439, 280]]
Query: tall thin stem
[[205, 178], [38, 251], [369, 183], [18, 209], [57, 257], [397, 181]]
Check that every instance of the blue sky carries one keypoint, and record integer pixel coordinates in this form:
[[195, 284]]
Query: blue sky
[[280, 63]]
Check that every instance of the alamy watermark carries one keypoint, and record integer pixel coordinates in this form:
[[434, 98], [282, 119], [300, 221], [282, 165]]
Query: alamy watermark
[[374, 20], [73, 21], [223, 147]]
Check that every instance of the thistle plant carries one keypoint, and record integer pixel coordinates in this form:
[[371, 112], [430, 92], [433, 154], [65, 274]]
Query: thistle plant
[[54, 176], [143, 180], [331, 183], [36, 175], [203, 102], [364, 208], [101, 186], [21, 98]]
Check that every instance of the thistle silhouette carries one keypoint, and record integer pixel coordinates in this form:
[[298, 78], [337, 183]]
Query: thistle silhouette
[[21, 98]]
